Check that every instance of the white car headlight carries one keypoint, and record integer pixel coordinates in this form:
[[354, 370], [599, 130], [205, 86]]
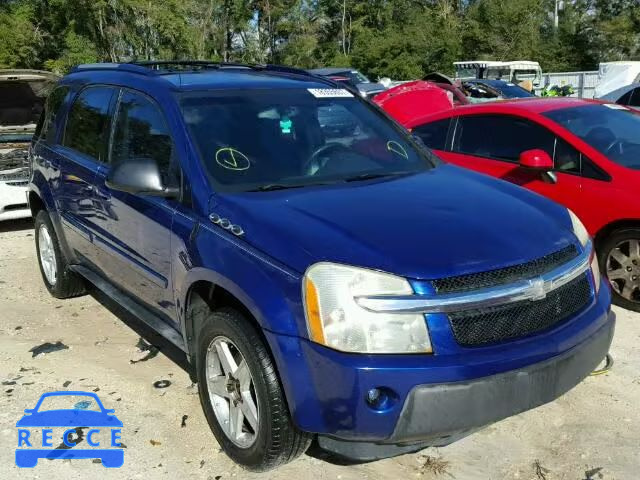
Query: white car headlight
[[335, 320], [579, 229]]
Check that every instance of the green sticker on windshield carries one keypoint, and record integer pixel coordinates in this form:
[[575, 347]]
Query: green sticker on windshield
[[285, 125]]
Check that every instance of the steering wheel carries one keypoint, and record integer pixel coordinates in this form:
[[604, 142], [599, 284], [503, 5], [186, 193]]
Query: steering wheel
[[314, 163]]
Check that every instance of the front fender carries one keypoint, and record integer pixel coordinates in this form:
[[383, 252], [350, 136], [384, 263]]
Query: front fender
[[270, 291]]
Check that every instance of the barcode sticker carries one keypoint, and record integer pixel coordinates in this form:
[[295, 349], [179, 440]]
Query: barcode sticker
[[330, 92]]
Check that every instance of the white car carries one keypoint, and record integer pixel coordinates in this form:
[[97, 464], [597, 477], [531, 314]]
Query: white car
[[22, 96]]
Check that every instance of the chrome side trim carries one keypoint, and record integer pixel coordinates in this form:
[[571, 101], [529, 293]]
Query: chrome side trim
[[530, 289]]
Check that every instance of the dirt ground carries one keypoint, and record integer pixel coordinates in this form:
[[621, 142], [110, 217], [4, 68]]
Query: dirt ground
[[593, 432]]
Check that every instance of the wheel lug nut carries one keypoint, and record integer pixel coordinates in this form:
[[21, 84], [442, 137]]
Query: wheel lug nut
[[629, 269]]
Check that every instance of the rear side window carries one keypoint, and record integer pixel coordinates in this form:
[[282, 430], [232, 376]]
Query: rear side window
[[141, 132], [47, 125], [87, 129], [500, 137], [434, 135]]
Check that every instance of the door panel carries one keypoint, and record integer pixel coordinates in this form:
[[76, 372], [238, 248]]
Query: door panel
[[566, 191], [497, 155], [83, 152], [133, 232]]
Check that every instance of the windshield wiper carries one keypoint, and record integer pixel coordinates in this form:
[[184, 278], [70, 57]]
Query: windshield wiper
[[372, 176], [274, 186]]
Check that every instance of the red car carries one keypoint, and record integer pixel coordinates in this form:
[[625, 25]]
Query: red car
[[583, 154], [413, 99]]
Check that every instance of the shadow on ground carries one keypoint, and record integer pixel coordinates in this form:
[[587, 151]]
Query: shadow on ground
[[165, 347], [16, 225]]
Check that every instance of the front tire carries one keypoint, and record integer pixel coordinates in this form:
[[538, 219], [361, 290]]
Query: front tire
[[241, 395], [619, 258], [58, 278]]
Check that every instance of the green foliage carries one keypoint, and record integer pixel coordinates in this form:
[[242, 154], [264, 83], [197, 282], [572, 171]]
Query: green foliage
[[401, 39], [77, 49]]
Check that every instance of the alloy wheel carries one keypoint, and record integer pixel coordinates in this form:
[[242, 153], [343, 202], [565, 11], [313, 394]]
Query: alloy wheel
[[623, 269], [232, 392], [47, 255]]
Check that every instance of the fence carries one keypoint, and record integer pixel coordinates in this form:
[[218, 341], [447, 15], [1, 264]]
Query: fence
[[584, 83]]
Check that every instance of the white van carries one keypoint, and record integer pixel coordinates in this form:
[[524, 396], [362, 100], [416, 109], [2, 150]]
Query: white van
[[515, 71]]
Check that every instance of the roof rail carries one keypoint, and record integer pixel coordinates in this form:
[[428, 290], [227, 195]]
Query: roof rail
[[128, 67], [161, 67], [181, 65]]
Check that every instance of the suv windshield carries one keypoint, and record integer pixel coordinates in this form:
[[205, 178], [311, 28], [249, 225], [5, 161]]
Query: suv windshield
[[609, 128], [269, 139]]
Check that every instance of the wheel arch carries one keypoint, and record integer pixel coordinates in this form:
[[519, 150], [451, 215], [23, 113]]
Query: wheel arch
[[615, 226], [217, 296], [35, 203]]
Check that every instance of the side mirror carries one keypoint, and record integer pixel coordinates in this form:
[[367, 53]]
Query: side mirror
[[139, 176], [536, 159]]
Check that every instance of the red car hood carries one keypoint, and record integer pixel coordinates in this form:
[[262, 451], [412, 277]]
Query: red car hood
[[414, 99]]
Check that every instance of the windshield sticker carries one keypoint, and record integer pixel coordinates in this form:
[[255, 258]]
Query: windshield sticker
[[615, 106], [398, 149], [330, 92], [232, 159]]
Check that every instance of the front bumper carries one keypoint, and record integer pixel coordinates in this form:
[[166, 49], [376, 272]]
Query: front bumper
[[438, 414], [13, 200]]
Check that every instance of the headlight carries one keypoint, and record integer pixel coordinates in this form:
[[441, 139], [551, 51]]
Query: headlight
[[595, 270], [583, 237], [578, 229], [335, 320]]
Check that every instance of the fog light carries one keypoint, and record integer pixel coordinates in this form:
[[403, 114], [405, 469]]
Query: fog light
[[381, 398]]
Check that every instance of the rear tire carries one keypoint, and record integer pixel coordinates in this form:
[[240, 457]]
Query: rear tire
[[275, 440], [619, 259], [56, 274]]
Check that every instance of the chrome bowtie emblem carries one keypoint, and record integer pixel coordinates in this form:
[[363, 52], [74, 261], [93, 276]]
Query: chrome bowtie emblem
[[538, 292]]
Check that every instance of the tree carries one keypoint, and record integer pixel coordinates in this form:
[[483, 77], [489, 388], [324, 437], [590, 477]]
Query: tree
[[402, 39]]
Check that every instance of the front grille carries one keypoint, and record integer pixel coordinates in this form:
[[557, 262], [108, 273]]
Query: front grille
[[492, 278], [518, 319]]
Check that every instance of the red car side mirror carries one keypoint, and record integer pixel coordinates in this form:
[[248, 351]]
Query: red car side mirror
[[536, 159]]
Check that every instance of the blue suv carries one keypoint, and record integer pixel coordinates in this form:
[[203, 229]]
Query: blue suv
[[329, 283]]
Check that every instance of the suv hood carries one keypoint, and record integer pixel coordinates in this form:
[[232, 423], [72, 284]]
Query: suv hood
[[22, 96], [443, 222]]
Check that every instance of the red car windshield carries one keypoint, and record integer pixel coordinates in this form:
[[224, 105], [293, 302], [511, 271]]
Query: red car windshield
[[610, 129]]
